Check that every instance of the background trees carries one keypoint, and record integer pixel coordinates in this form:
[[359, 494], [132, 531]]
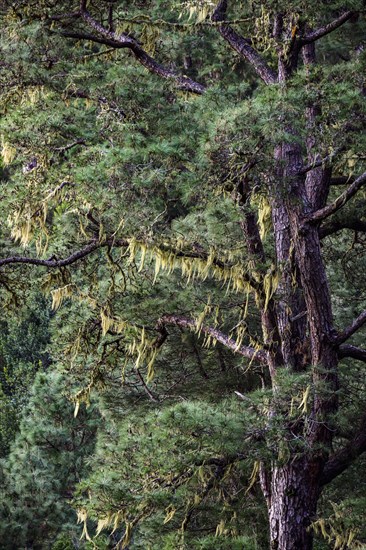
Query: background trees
[[46, 462], [178, 216]]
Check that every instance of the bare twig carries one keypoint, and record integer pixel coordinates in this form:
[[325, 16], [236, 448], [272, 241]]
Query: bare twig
[[146, 388], [70, 146]]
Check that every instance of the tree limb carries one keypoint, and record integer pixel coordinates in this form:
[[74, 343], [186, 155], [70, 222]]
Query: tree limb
[[115, 40], [110, 242], [338, 225], [242, 45], [185, 322], [323, 31], [342, 180], [55, 263], [325, 161], [353, 327], [342, 459], [339, 202], [346, 350], [70, 146]]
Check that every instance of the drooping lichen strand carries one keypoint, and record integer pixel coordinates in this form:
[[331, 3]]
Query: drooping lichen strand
[[145, 352], [60, 294], [201, 317], [270, 284], [229, 271], [8, 152], [111, 323], [29, 221], [82, 517], [264, 214]]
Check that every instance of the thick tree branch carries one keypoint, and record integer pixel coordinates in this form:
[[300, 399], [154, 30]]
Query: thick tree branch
[[242, 45], [338, 225], [343, 458], [115, 40], [185, 322], [54, 262], [323, 31], [112, 242], [351, 329], [346, 350], [86, 36], [342, 180], [339, 202]]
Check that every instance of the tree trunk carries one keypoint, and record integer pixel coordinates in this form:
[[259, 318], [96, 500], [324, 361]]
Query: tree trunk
[[292, 504], [305, 323]]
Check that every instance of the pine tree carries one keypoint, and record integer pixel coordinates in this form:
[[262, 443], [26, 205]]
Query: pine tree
[[24, 339], [229, 183], [46, 461]]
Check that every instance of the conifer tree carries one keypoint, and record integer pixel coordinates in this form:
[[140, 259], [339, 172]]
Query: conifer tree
[[24, 339], [232, 181], [46, 461]]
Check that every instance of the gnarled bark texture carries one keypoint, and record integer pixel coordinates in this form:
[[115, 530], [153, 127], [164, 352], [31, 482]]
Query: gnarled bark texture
[[294, 495]]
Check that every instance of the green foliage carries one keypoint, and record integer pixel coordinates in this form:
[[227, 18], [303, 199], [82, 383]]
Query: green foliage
[[46, 461], [167, 457], [24, 338], [97, 150]]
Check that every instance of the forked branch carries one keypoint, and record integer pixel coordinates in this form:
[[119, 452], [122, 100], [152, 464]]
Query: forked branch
[[54, 262], [111, 38]]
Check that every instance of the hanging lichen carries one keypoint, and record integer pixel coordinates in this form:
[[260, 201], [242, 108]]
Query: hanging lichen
[[8, 152], [60, 294], [197, 9], [270, 284], [264, 214]]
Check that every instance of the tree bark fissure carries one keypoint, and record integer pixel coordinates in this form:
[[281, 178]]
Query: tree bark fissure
[[294, 495]]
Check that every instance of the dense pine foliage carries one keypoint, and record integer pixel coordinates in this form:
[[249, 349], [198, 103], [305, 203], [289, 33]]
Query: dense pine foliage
[[182, 274]]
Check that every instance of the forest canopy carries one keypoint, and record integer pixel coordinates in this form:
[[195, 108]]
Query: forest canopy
[[182, 273]]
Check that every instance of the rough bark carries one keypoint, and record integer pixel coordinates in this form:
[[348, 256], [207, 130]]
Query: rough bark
[[294, 496], [242, 46], [305, 323]]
